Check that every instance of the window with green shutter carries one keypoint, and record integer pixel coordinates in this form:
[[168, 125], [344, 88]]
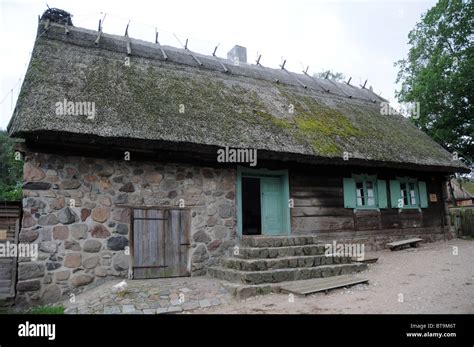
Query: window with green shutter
[[407, 192], [364, 192]]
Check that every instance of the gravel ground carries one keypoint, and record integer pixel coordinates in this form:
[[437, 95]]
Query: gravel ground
[[429, 279]]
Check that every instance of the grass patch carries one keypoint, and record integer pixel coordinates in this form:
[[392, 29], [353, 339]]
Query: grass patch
[[46, 310], [33, 310], [121, 294], [467, 237]]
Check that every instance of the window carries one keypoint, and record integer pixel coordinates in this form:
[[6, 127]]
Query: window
[[407, 192], [364, 192]]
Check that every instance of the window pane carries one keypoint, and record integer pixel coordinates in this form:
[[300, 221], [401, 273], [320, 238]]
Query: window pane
[[360, 194], [370, 193], [404, 197], [360, 197], [412, 197]]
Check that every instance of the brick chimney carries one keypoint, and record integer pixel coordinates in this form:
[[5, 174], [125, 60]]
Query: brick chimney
[[237, 54]]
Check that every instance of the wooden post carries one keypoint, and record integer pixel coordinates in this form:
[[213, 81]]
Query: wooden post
[[444, 193], [451, 191]]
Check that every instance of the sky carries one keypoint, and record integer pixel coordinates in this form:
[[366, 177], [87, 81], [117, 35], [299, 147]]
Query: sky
[[361, 39]]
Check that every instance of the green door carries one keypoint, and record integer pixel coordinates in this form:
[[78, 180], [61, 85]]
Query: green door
[[271, 204]]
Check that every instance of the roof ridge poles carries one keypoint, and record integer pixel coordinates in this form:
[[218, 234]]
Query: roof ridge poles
[[101, 23], [315, 80], [185, 46], [276, 80], [159, 46], [217, 59], [363, 87], [127, 38], [282, 66], [336, 86], [190, 53], [377, 95]]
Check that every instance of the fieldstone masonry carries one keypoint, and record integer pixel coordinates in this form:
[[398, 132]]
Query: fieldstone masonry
[[71, 211]]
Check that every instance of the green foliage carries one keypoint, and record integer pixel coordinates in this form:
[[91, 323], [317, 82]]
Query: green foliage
[[335, 76], [439, 74], [469, 186], [11, 170]]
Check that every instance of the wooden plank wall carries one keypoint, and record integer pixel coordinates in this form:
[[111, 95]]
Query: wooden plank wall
[[10, 214], [319, 207]]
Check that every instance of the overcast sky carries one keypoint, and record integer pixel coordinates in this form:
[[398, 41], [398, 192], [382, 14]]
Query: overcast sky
[[361, 39]]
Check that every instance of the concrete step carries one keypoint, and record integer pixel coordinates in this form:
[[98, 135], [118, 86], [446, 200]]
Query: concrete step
[[245, 291], [287, 274], [275, 252], [281, 262], [277, 241]]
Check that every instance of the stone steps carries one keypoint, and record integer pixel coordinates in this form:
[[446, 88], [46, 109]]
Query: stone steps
[[247, 252], [260, 264], [285, 274], [278, 241], [264, 264]]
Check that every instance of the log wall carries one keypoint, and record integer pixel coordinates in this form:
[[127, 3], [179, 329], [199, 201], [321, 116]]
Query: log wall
[[319, 209]]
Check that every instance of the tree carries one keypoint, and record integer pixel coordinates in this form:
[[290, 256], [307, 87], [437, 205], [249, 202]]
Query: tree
[[439, 74], [11, 170], [335, 76]]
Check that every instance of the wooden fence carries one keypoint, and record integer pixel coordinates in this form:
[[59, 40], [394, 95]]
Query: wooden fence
[[462, 218]]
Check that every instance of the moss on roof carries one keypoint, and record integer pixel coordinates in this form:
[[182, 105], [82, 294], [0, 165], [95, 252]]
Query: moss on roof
[[143, 101]]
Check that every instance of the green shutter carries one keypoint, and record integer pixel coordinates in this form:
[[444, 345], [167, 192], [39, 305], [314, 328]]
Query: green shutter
[[271, 200], [349, 193], [423, 194], [239, 201], [382, 193], [394, 193]]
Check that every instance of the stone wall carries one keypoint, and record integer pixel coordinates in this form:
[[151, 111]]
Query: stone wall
[[70, 209]]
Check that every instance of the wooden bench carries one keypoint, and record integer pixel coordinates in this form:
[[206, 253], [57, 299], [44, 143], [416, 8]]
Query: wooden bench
[[314, 285], [398, 244]]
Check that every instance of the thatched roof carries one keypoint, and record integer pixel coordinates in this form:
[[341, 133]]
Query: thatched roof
[[244, 107], [460, 191]]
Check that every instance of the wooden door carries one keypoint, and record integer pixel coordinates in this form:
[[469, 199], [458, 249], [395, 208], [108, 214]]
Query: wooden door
[[271, 205], [160, 243]]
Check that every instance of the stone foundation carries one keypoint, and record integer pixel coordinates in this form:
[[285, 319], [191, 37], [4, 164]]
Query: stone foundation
[[71, 211]]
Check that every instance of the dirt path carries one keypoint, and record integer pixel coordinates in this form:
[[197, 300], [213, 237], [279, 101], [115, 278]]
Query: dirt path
[[429, 279]]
